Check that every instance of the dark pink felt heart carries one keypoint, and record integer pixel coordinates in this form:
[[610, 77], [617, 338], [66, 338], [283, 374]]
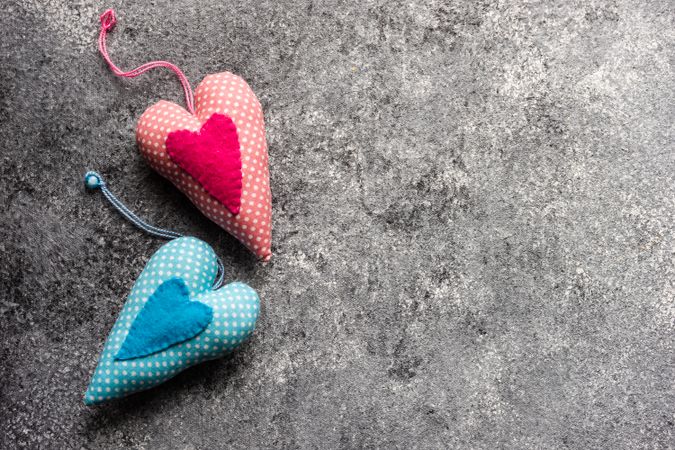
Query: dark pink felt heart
[[211, 156]]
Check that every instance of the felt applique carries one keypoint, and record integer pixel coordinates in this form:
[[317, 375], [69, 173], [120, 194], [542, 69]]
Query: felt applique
[[246, 215], [177, 314], [215, 145], [167, 318]]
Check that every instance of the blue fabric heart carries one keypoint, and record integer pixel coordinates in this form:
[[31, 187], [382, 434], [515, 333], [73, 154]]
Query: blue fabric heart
[[168, 317], [234, 308]]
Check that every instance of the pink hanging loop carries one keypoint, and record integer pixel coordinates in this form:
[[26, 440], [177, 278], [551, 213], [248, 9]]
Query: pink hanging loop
[[108, 21]]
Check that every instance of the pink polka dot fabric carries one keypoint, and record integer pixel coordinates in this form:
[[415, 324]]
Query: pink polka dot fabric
[[230, 95]]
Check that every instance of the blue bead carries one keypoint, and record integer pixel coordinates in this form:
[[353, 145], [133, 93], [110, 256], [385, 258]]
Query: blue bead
[[92, 180]]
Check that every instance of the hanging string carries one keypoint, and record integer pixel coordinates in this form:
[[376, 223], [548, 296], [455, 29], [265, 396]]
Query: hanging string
[[93, 180], [108, 21]]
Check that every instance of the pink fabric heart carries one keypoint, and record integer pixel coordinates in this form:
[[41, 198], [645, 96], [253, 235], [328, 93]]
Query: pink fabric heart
[[212, 157], [203, 164], [230, 96]]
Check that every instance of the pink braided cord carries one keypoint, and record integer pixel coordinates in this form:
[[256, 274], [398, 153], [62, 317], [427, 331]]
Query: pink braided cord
[[108, 21]]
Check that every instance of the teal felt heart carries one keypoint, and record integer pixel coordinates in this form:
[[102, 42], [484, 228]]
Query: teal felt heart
[[168, 317], [234, 310]]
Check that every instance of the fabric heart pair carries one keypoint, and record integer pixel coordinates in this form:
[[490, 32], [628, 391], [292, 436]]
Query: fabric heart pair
[[177, 314]]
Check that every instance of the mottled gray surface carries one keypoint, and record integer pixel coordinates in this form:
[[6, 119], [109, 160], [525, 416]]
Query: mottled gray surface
[[473, 223]]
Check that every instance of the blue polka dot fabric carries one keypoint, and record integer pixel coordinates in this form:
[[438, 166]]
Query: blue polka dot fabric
[[235, 311]]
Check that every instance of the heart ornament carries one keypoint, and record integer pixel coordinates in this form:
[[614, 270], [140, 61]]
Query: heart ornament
[[172, 320], [174, 142], [215, 151]]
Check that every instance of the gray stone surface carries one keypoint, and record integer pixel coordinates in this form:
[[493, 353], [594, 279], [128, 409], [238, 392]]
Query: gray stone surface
[[473, 223]]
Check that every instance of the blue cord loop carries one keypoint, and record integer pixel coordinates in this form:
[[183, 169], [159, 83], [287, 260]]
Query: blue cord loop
[[93, 180]]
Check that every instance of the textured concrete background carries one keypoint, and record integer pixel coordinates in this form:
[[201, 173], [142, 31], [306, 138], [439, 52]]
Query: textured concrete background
[[473, 223]]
